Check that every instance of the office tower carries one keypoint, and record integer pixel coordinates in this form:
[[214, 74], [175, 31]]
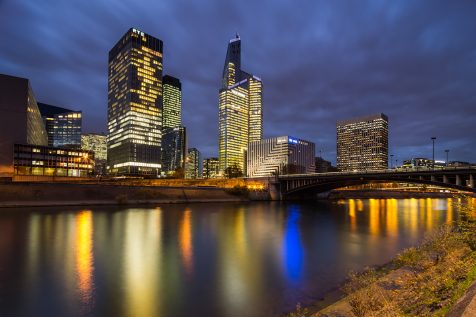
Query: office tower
[[172, 105], [63, 126], [192, 164], [211, 168], [240, 110], [96, 143], [23, 139], [135, 105], [362, 143], [174, 151], [280, 155]]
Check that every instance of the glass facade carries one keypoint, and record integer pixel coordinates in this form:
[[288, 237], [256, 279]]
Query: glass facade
[[174, 150], [211, 168], [96, 143], [280, 155], [172, 106], [240, 110], [135, 105], [48, 161], [192, 164], [362, 143], [63, 126]]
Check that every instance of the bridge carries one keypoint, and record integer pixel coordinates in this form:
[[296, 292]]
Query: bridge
[[307, 185]]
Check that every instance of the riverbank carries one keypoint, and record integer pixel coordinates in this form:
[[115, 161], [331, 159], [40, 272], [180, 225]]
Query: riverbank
[[54, 194], [437, 278]]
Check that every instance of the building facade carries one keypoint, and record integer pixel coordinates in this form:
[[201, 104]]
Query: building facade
[[50, 161], [240, 110], [135, 105], [20, 120], [280, 155], [362, 143], [174, 150], [192, 164], [211, 168], [97, 144], [324, 166], [172, 104], [63, 126]]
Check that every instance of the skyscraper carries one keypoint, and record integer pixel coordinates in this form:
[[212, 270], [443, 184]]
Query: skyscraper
[[240, 109], [135, 104], [63, 126], [362, 143], [174, 150], [172, 105]]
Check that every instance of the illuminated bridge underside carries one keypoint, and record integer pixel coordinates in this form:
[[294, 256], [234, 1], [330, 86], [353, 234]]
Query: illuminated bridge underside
[[307, 185]]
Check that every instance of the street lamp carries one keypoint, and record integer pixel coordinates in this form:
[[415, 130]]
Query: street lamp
[[433, 163], [447, 151]]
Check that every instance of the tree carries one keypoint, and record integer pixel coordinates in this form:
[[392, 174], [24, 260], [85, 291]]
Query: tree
[[233, 171]]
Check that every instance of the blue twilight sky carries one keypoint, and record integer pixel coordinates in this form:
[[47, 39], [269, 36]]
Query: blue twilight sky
[[320, 61]]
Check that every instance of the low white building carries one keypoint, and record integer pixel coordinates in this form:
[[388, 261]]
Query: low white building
[[280, 155]]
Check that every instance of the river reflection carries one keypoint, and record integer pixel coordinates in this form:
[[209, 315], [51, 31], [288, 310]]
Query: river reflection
[[256, 259]]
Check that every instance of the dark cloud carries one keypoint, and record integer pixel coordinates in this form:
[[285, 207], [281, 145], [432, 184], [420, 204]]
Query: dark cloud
[[320, 61]]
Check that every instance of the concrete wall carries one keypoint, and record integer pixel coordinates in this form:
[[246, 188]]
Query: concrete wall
[[18, 194]]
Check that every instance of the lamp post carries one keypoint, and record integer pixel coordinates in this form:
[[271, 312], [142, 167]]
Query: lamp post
[[391, 161], [433, 162], [447, 151]]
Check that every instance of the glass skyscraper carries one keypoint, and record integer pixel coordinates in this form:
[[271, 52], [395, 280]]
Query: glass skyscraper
[[362, 143], [174, 150], [172, 105], [240, 110], [63, 126], [135, 105]]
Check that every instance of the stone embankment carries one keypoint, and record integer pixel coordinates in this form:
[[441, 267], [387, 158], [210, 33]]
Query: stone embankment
[[60, 194]]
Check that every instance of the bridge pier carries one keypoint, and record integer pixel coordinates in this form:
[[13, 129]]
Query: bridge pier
[[445, 179], [471, 180], [433, 178], [458, 180]]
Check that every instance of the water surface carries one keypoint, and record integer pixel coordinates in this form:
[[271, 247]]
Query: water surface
[[236, 259]]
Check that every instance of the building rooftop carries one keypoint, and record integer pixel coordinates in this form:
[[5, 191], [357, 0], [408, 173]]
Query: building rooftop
[[362, 119]]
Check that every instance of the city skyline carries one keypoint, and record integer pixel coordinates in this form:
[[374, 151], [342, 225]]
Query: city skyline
[[417, 66]]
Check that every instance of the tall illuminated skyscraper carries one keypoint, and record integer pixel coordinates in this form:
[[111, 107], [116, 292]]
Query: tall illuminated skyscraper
[[240, 109], [135, 104], [362, 143], [172, 104]]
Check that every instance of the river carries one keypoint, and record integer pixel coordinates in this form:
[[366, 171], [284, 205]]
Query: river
[[210, 259]]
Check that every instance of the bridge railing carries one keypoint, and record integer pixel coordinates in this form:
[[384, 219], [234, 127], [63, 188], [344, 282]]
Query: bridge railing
[[386, 171]]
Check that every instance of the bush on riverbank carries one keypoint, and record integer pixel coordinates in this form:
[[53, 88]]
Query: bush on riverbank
[[422, 281]]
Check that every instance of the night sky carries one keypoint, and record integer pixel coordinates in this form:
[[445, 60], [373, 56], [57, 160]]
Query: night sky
[[320, 61]]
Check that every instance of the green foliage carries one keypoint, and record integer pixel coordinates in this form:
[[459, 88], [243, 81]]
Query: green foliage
[[431, 277]]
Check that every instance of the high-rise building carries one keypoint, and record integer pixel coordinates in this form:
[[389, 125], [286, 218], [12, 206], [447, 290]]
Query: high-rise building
[[192, 164], [172, 104], [135, 104], [240, 110], [174, 150], [280, 155], [96, 143], [211, 168], [362, 143], [63, 126]]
